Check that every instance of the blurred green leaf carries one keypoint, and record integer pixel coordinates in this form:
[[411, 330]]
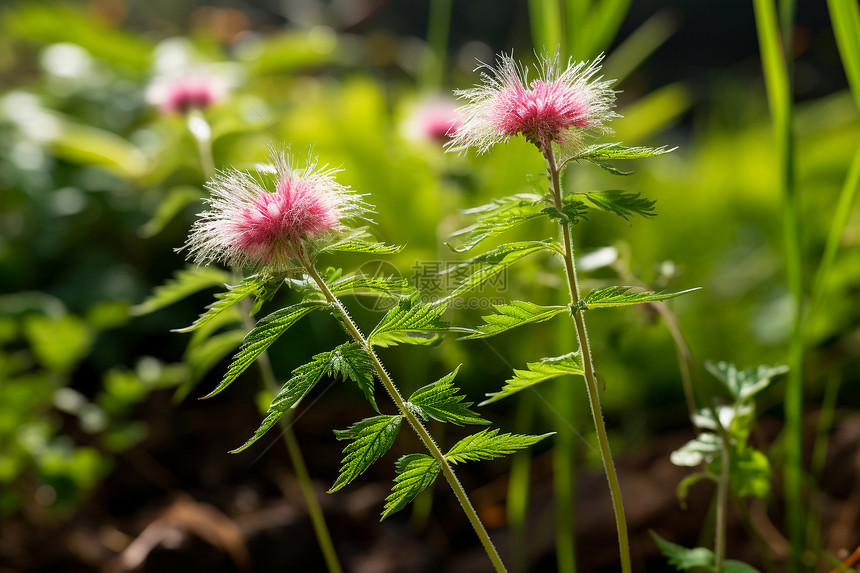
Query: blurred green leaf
[[58, 343], [184, 283], [177, 199], [52, 22]]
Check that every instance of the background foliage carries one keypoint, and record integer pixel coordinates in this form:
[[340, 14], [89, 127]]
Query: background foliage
[[97, 189]]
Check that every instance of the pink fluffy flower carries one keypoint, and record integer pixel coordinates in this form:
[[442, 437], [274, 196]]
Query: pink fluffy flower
[[249, 225], [181, 94], [558, 107]]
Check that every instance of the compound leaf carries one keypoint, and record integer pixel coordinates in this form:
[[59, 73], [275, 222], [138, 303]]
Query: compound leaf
[[371, 438], [511, 315], [489, 444], [415, 472], [440, 401], [610, 297], [537, 372], [262, 336]]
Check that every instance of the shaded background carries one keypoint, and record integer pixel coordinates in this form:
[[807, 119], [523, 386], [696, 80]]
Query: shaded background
[[100, 434]]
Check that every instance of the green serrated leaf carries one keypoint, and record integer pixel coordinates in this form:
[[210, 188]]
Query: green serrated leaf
[[415, 472], [303, 379], [492, 263], [262, 336], [358, 243], [353, 363], [176, 200], [498, 217], [611, 297], [511, 315], [490, 444], [684, 559], [537, 372], [625, 204], [411, 322], [372, 437], [744, 384], [262, 287], [392, 287], [612, 151], [184, 283], [439, 401], [572, 211], [610, 168]]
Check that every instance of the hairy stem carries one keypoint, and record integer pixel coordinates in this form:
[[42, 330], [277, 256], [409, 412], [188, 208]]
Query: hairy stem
[[588, 367], [416, 424]]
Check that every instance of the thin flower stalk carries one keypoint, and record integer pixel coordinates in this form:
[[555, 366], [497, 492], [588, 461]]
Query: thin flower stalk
[[414, 422], [588, 367], [557, 112]]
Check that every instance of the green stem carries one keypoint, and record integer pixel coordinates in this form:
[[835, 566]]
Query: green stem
[[588, 367], [300, 469], [416, 424], [778, 81], [202, 133], [437, 38]]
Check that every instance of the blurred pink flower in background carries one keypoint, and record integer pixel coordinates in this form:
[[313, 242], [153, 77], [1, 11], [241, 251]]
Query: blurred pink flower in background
[[433, 119], [179, 94]]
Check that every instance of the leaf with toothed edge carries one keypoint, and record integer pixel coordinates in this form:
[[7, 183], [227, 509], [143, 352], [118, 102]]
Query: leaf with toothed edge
[[184, 283], [490, 444], [439, 401], [390, 287], [353, 363], [615, 296], [496, 261], [371, 438], [262, 336], [537, 372], [415, 472], [359, 244], [262, 287], [511, 315], [612, 151], [411, 322], [498, 217], [303, 379], [347, 360], [622, 203]]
